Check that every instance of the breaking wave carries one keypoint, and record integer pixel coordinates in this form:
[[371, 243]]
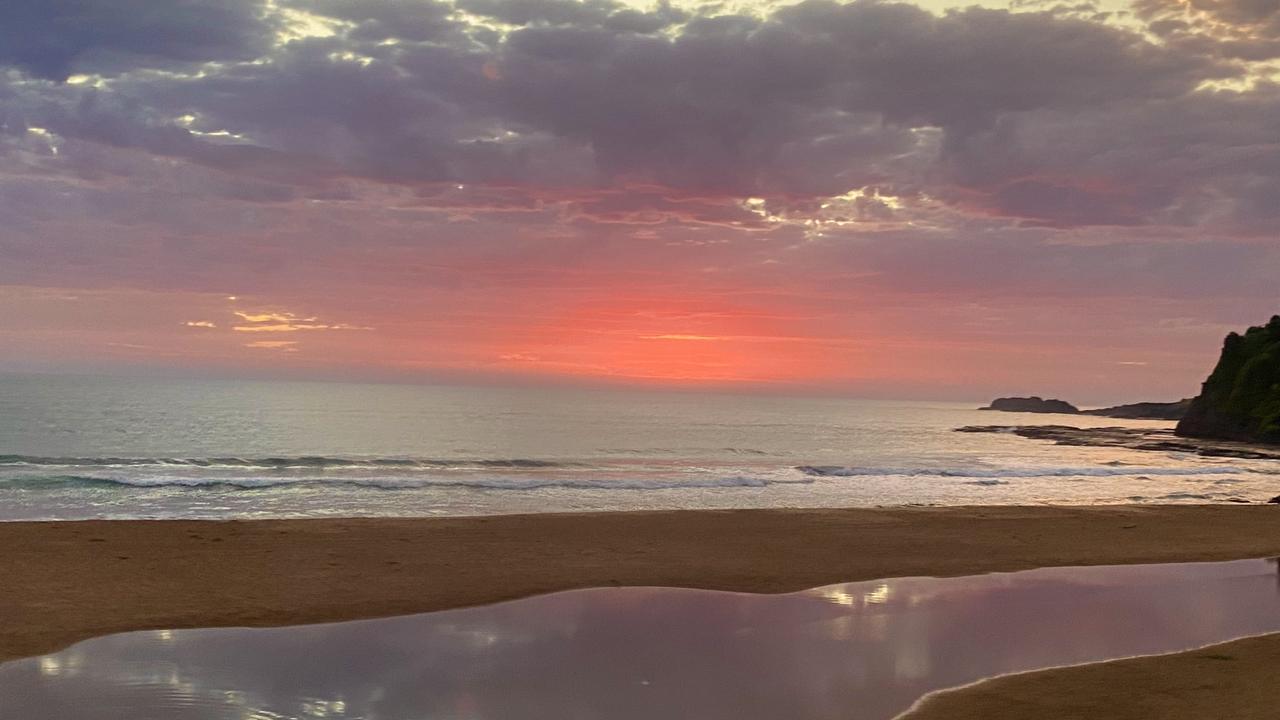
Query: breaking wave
[[1013, 472], [410, 483], [280, 463], [31, 472]]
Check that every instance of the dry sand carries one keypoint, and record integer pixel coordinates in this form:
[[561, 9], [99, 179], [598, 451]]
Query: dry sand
[[63, 582]]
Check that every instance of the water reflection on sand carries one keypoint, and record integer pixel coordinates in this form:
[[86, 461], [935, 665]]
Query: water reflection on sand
[[860, 650]]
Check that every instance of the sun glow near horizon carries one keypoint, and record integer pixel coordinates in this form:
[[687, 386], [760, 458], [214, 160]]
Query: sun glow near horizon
[[912, 197]]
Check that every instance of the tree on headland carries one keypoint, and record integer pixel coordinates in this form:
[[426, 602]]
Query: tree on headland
[[1241, 398]]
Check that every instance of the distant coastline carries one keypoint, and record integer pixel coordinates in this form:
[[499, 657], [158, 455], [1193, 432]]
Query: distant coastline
[[1133, 411], [1239, 401]]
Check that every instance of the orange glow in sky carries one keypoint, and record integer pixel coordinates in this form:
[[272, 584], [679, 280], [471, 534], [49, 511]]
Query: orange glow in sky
[[676, 339], [513, 192]]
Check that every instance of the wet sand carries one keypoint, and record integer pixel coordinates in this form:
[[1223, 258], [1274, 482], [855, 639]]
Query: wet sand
[[1233, 681], [65, 582]]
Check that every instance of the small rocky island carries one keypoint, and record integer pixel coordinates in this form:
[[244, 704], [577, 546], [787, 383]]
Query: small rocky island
[[1236, 414], [1032, 404], [1241, 399]]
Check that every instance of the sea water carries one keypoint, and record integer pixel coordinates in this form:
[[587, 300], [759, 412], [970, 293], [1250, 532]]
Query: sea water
[[96, 447], [859, 651]]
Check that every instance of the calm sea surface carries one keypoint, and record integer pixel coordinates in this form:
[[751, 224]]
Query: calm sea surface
[[90, 447]]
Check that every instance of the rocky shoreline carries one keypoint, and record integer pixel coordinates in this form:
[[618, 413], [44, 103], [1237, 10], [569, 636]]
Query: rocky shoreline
[[1237, 410], [1155, 439]]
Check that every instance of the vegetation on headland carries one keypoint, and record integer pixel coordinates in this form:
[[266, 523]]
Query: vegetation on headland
[[1241, 398]]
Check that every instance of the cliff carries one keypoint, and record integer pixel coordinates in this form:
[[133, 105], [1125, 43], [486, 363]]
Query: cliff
[[1241, 398]]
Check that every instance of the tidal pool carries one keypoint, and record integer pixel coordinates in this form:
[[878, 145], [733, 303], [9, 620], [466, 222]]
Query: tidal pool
[[864, 651]]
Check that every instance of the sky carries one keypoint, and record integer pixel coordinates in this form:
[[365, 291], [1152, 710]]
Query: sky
[[933, 200]]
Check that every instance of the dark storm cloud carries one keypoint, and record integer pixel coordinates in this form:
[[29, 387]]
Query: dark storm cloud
[[1053, 118], [54, 38]]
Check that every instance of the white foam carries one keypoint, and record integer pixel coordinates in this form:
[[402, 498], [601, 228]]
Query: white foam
[[1014, 472], [481, 482]]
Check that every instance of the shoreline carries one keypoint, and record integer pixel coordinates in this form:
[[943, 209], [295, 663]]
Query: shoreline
[[69, 581], [1182, 685], [961, 699]]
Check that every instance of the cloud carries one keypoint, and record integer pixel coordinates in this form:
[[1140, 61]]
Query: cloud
[[1041, 262], [1242, 30], [266, 317], [275, 322], [1204, 159], [281, 345], [701, 338], [53, 39], [377, 20], [811, 101], [473, 176]]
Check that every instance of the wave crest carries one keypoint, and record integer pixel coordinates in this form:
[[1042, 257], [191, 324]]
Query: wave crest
[[1012, 472], [412, 483], [283, 463]]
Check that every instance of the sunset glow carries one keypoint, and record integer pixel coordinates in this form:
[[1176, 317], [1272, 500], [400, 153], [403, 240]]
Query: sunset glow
[[473, 190]]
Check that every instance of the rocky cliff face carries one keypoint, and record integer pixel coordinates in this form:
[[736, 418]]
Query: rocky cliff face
[[1241, 398]]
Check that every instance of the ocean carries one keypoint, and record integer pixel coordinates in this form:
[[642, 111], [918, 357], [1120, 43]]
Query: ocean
[[98, 447]]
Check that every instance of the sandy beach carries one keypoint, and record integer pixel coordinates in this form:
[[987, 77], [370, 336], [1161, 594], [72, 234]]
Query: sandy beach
[[1234, 680], [65, 582]]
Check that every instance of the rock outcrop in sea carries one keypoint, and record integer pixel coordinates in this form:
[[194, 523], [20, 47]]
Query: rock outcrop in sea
[[1241, 399], [1133, 438], [1033, 404]]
